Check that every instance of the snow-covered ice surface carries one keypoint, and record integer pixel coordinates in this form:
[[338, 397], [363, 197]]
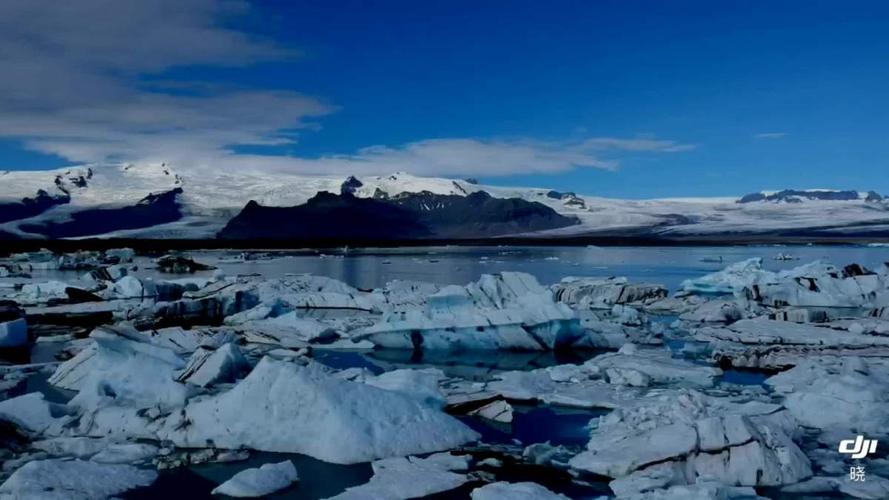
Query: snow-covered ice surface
[[258, 482], [73, 480], [210, 198], [725, 380]]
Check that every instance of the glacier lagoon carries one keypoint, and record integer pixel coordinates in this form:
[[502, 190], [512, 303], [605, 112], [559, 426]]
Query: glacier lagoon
[[559, 416], [371, 268]]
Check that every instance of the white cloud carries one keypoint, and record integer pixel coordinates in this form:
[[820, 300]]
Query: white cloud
[[85, 80], [77, 82], [770, 135], [646, 144]]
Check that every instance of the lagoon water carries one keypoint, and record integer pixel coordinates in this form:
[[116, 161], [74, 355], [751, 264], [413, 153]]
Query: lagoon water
[[370, 268]]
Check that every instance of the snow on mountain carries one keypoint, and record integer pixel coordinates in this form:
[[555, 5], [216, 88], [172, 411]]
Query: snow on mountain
[[209, 199]]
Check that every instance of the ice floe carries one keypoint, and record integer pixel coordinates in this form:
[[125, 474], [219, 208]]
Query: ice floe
[[74, 480], [502, 311], [585, 293], [674, 437], [281, 406], [515, 491], [261, 481], [410, 477], [13, 326]]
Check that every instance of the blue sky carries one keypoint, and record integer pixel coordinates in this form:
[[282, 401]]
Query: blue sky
[[614, 98]]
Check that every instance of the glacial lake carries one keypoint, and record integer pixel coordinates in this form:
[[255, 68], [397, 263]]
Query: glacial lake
[[371, 268]]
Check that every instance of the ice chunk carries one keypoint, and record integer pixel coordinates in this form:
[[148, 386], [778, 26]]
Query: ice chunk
[[837, 394], [13, 331], [32, 412], [124, 370], [744, 444], [125, 453], [410, 477], [515, 491], [284, 407], [74, 480], [503, 311], [43, 292], [120, 255], [714, 311], [287, 330], [422, 385], [258, 482], [656, 364], [704, 490], [817, 284], [208, 366], [585, 293], [733, 278], [764, 343], [539, 385], [496, 411]]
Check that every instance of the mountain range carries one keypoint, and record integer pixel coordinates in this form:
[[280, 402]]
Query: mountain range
[[158, 201]]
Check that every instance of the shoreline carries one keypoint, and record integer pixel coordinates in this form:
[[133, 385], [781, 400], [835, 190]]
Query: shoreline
[[158, 245]]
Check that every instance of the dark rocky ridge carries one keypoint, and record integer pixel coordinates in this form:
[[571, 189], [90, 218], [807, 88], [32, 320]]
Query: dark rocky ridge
[[150, 211], [405, 216], [796, 196], [29, 207]]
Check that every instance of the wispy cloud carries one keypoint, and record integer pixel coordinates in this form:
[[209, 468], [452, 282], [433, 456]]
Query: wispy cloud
[[89, 81], [76, 79], [637, 144], [770, 135]]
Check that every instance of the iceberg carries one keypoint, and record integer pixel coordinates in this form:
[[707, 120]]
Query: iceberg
[[207, 367], [283, 407], [673, 437], [603, 293], [123, 369], [515, 491], [503, 311], [261, 481], [764, 343], [817, 284], [410, 477], [13, 326], [842, 394], [74, 480]]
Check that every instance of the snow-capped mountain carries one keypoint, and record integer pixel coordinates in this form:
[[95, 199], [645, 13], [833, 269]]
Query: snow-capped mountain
[[161, 201]]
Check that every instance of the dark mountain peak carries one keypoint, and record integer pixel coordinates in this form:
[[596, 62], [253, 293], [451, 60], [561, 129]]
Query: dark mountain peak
[[403, 216], [350, 185], [160, 198], [797, 196], [31, 206], [154, 209]]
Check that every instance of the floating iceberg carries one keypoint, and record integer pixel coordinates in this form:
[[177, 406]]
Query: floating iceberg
[[817, 284], [603, 293], [123, 370], [73, 480], [206, 367], [284, 407], [410, 477], [764, 343], [847, 394], [672, 438], [515, 491], [260, 481], [502, 311], [13, 326]]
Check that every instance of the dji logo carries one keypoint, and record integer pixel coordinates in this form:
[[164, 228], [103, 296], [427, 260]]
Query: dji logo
[[858, 447]]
